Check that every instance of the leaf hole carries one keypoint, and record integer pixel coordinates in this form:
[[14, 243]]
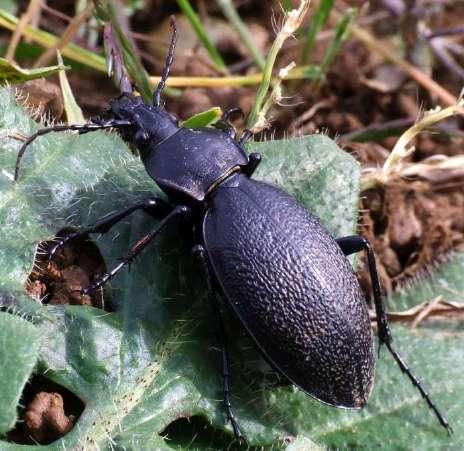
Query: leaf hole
[[196, 432], [46, 412], [58, 280]]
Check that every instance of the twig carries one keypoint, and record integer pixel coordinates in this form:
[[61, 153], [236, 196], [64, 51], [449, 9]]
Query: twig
[[67, 36], [71, 51], [436, 307], [32, 10], [302, 72], [420, 77]]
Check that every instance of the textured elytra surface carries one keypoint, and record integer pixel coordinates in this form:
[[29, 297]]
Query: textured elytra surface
[[293, 288], [153, 360]]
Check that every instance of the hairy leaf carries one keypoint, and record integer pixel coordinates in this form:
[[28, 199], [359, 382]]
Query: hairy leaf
[[19, 349], [146, 367]]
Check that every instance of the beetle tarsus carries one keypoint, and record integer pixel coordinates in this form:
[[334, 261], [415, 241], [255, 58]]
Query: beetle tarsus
[[357, 243], [417, 383], [200, 254]]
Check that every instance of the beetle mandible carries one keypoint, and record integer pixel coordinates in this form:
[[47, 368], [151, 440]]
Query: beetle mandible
[[282, 273]]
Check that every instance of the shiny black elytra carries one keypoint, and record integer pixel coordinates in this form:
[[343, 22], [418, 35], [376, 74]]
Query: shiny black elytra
[[285, 277]]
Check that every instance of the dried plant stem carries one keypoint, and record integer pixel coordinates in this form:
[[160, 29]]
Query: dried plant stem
[[71, 51], [292, 23], [302, 72], [274, 98], [435, 307], [67, 36], [394, 164], [420, 77], [32, 10]]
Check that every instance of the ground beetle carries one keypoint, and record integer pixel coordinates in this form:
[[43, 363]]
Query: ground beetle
[[285, 277]]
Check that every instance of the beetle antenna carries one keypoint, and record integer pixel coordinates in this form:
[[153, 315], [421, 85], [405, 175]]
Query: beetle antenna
[[81, 128], [167, 64]]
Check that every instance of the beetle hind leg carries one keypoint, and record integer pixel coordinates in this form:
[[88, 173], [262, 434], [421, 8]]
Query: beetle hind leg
[[200, 253], [356, 243]]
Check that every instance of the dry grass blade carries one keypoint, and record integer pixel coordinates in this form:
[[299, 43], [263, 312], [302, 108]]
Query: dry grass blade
[[67, 36], [32, 10], [437, 307], [416, 74], [395, 165]]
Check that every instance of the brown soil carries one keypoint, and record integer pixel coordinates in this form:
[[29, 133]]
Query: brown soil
[[60, 279], [47, 412]]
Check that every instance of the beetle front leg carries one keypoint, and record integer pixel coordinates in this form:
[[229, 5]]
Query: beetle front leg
[[155, 207], [200, 253], [356, 243]]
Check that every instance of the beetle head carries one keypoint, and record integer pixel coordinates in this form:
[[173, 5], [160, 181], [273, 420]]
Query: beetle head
[[149, 124]]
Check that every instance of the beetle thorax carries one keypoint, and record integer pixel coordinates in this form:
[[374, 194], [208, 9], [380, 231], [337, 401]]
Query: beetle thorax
[[191, 163]]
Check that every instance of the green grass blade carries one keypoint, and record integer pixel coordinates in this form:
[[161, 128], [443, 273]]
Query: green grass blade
[[286, 5], [229, 11], [107, 13], [202, 34], [341, 33], [318, 21]]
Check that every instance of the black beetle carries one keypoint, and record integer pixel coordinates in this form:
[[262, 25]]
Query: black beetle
[[285, 277]]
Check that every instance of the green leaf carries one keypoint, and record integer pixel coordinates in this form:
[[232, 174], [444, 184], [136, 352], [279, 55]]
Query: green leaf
[[11, 73], [203, 119], [153, 360], [318, 20], [19, 349]]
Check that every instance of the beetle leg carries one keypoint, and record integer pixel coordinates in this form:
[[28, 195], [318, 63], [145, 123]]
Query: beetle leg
[[157, 208], [224, 123], [135, 250], [246, 136], [226, 127], [200, 253], [225, 117], [253, 162], [356, 243]]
